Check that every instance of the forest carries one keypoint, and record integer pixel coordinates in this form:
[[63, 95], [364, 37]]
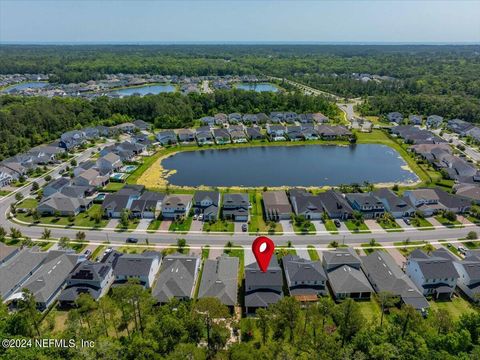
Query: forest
[[127, 324], [28, 121]]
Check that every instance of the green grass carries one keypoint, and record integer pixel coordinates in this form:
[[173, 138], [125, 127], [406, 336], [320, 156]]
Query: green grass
[[451, 247], [154, 225], [369, 251], [390, 226], [4, 192], [132, 225], [307, 228], [444, 221], [330, 226], [353, 227], [281, 251], [370, 309], [219, 226], [181, 225], [236, 251], [77, 247], [473, 219], [114, 186], [405, 251], [313, 253], [421, 223], [257, 224], [28, 203], [456, 307], [98, 251]]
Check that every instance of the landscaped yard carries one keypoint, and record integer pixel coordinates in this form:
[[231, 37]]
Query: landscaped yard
[[132, 225], [303, 228], [405, 251], [219, 226], [367, 251], [114, 186], [313, 253], [390, 226], [257, 224], [28, 203], [421, 223], [154, 225], [456, 307], [444, 221], [281, 251], [181, 225], [370, 309], [356, 227], [330, 226]]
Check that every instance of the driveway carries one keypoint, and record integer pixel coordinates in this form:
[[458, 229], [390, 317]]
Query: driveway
[[143, 224], [113, 223], [248, 256], [463, 220], [373, 225], [403, 225], [397, 256], [287, 227], [197, 225], [165, 225], [434, 222], [238, 227], [343, 227], [319, 226], [214, 253], [302, 252]]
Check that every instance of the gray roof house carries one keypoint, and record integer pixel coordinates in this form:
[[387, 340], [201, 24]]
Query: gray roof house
[[64, 205], [142, 267], [109, 163], [434, 121], [415, 119], [177, 278], [276, 205], [207, 203], [55, 186], [235, 206], [368, 204], [344, 274], [459, 126], [262, 288], [147, 206], [385, 275], [306, 279], [306, 204], [395, 117], [220, 279], [335, 205], [204, 136], [398, 206], [186, 135], [253, 133], [221, 136], [176, 206], [167, 137], [469, 275], [48, 281], [87, 277], [142, 125], [434, 274], [7, 252], [90, 177]]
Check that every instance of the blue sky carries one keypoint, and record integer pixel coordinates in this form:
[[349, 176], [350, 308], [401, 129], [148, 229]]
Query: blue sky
[[239, 21]]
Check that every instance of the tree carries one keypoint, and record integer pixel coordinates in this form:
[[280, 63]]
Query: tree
[[386, 300], [450, 216], [287, 313], [263, 321], [472, 235], [48, 178], [35, 216], [15, 233], [27, 307], [349, 319], [80, 236], [125, 218], [18, 196], [210, 310], [46, 234], [181, 243], [64, 242], [97, 216], [35, 186]]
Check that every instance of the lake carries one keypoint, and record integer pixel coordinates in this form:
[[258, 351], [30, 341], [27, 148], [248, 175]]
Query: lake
[[258, 87], [27, 85], [145, 90], [299, 165]]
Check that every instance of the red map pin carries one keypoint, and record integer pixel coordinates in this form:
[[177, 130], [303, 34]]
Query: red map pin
[[263, 249]]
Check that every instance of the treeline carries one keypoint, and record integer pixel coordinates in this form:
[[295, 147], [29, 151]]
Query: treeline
[[28, 121], [128, 325]]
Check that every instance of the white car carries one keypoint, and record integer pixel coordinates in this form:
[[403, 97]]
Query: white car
[[200, 217], [195, 216]]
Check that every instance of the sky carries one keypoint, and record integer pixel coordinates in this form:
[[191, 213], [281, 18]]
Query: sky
[[109, 21]]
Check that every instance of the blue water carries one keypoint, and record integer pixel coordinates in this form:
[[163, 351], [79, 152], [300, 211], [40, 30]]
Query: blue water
[[145, 90], [303, 165], [27, 85], [260, 87]]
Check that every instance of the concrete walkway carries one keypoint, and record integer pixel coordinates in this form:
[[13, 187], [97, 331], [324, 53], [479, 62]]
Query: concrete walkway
[[248, 256], [397, 256], [373, 225], [434, 222], [319, 226], [214, 253], [165, 225], [113, 223], [143, 224], [302, 252], [463, 220], [287, 227], [403, 225], [197, 225], [238, 227]]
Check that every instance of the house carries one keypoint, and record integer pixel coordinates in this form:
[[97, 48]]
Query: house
[[85, 165], [207, 203], [87, 277], [290, 117], [415, 119], [221, 136], [72, 139], [91, 133], [221, 119], [468, 271], [167, 137], [276, 132], [276, 117], [186, 136], [262, 288], [238, 136], [204, 136], [234, 118], [398, 206], [7, 252], [114, 204], [235, 206], [127, 127], [335, 205], [395, 117], [208, 120], [474, 133], [109, 163], [319, 118], [386, 276], [459, 126], [468, 191], [147, 206], [434, 121], [142, 125], [253, 133], [306, 279], [220, 279], [139, 267], [7, 176], [306, 204], [329, 132], [55, 186], [177, 279], [48, 280], [63, 205], [368, 204], [433, 200], [295, 133], [176, 206], [276, 205], [250, 119], [434, 274], [91, 177], [346, 279], [18, 268]]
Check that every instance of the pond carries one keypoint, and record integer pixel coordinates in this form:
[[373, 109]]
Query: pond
[[299, 165], [27, 85], [145, 90], [258, 87]]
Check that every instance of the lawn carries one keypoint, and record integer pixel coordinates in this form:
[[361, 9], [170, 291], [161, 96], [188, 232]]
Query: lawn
[[444, 221], [390, 226], [370, 309], [456, 307], [132, 225], [353, 227], [113, 186], [281, 251], [369, 251], [405, 251], [257, 224], [77, 247], [473, 219], [28, 203], [421, 223], [237, 251], [330, 226], [154, 225], [4, 192], [313, 253], [451, 247], [98, 251], [219, 226], [305, 228], [181, 225]]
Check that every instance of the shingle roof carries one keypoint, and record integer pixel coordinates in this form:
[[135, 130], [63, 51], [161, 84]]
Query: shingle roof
[[434, 266], [346, 279], [301, 270], [341, 256]]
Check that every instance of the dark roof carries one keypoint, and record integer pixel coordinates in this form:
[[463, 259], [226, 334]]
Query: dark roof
[[301, 270], [213, 196], [341, 256], [434, 266], [255, 277], [346, 279]]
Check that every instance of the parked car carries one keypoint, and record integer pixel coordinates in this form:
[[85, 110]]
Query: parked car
[[462, 250], [87, 253], [406, 221], [337, 223], [132, 240], [244, 227], [200, 217], [195, 216]]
